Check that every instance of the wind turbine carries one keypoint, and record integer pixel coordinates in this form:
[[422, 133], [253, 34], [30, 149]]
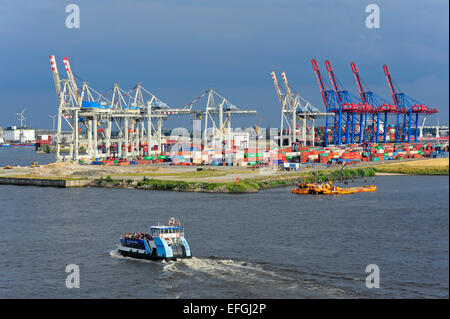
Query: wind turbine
[[21, 117], [53, 120]]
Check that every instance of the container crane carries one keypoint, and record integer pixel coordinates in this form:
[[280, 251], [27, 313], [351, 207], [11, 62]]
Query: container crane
[[282, 102], [347, 106], [291, 109], [365, 108], [295, 108], [372, 106], [331, 103], [406, 106]]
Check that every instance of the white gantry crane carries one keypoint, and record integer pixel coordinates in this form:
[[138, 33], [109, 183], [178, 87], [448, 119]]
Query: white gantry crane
[[217, 113], [294, 107]]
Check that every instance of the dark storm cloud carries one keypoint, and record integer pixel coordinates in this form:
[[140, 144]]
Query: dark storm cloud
[[177, 49]]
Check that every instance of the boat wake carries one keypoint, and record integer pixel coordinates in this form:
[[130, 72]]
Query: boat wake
[[227, 270], [252, 276]]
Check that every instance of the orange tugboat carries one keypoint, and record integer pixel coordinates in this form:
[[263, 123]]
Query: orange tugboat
[[330, 189]]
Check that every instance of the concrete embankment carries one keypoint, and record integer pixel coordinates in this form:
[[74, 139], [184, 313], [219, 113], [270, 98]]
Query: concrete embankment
[[43, 182]]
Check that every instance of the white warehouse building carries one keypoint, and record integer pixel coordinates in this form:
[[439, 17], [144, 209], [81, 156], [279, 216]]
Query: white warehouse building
[[19, 134]]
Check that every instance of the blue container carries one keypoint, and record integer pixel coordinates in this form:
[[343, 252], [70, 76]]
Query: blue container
[[87, 104]]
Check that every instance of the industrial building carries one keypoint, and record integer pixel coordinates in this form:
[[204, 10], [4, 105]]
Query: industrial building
[[14, 134]]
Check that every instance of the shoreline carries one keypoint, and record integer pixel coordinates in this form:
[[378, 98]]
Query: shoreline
[[249, 185], [223, 179], [393, 174]]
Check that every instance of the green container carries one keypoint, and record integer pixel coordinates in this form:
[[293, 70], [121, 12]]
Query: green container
[[162, 157], [375, 159], [148, 157], [116, 162]]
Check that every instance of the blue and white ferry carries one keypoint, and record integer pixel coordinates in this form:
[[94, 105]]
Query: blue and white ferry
[[162, 243]]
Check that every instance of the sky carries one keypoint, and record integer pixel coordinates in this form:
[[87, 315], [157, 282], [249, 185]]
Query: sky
[[178, 49]]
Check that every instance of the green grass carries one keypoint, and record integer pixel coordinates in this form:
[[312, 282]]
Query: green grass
[[157, 184], [393, 169]]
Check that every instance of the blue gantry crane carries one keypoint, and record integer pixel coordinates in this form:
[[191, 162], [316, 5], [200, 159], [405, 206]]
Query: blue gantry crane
[[407, 108], [332, 105]]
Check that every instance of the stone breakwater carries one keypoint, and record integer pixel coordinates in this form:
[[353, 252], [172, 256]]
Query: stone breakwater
[[44, 182]]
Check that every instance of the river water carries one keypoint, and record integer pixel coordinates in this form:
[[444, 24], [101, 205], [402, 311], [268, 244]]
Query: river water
[[23, 156], [267, 245]]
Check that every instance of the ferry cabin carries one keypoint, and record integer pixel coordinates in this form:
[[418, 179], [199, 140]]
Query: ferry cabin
[[171, 234]]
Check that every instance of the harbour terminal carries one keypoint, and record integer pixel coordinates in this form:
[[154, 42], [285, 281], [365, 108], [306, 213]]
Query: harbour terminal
[[121, 133], [224, 159]]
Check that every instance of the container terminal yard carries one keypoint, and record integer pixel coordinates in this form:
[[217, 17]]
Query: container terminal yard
[[124, 129]]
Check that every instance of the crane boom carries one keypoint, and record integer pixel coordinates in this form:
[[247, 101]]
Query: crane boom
[[390, 83], [333, 80], [56, 78], [277, 88], [358, 82], [288, 88], [72, 80], [320, 82]]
